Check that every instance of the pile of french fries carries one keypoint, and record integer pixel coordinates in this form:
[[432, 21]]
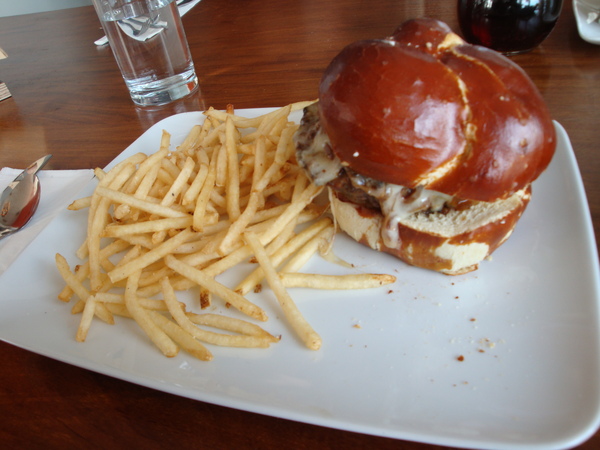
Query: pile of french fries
[[174, 220]]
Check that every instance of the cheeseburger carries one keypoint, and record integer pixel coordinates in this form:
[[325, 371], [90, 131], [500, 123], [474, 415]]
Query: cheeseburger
[[428, 145]]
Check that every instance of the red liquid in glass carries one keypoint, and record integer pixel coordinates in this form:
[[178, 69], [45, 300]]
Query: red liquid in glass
[[508, 26]]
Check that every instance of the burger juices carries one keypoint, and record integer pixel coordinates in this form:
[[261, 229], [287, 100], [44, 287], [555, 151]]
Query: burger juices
[[428, 145]]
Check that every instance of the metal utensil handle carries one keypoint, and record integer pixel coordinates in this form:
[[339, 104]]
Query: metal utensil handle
[[38, 165]]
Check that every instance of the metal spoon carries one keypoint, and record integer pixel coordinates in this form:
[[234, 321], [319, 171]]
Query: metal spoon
[[20, 199]]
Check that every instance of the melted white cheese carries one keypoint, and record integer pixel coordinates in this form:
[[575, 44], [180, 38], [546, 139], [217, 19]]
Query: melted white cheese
[[395, 207], [318, 163], [323, 167]]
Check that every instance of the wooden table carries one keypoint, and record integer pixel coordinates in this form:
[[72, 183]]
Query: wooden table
[[69, 100]]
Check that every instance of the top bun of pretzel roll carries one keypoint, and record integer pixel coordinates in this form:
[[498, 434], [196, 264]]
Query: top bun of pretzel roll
[[425, 108]]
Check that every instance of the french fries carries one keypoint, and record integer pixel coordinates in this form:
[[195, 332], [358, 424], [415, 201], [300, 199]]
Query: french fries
[[309, 336], [174, 220], [337, 282]]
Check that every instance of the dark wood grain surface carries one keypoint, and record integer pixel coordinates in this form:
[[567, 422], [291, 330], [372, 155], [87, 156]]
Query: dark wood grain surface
[[69, 100]]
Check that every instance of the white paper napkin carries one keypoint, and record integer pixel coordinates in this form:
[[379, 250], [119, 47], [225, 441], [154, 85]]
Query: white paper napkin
[[58, 190]]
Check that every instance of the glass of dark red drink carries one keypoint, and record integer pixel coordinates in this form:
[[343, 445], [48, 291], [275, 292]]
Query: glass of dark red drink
[[508, 26]]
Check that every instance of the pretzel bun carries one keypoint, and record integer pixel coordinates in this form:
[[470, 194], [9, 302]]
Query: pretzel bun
[[428, 145], [425, 108], [453, 243]]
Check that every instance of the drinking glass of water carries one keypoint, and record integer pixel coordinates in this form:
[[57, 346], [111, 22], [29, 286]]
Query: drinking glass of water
[[150, 47], [508, 26]]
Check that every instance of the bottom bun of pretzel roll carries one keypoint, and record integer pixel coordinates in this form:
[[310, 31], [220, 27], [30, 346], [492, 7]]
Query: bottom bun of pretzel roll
[[452, 242]]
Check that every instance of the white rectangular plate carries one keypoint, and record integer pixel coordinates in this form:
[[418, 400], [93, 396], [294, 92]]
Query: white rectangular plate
[[525, 325]]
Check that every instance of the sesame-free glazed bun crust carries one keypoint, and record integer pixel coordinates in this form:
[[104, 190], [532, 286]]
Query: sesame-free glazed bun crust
[[453, 243], [425, 108]]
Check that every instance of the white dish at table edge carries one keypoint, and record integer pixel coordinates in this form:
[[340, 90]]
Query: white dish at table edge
[[526, 324], [589, 32]]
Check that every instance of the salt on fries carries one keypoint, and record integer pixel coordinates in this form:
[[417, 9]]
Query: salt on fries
[[231, 193]]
